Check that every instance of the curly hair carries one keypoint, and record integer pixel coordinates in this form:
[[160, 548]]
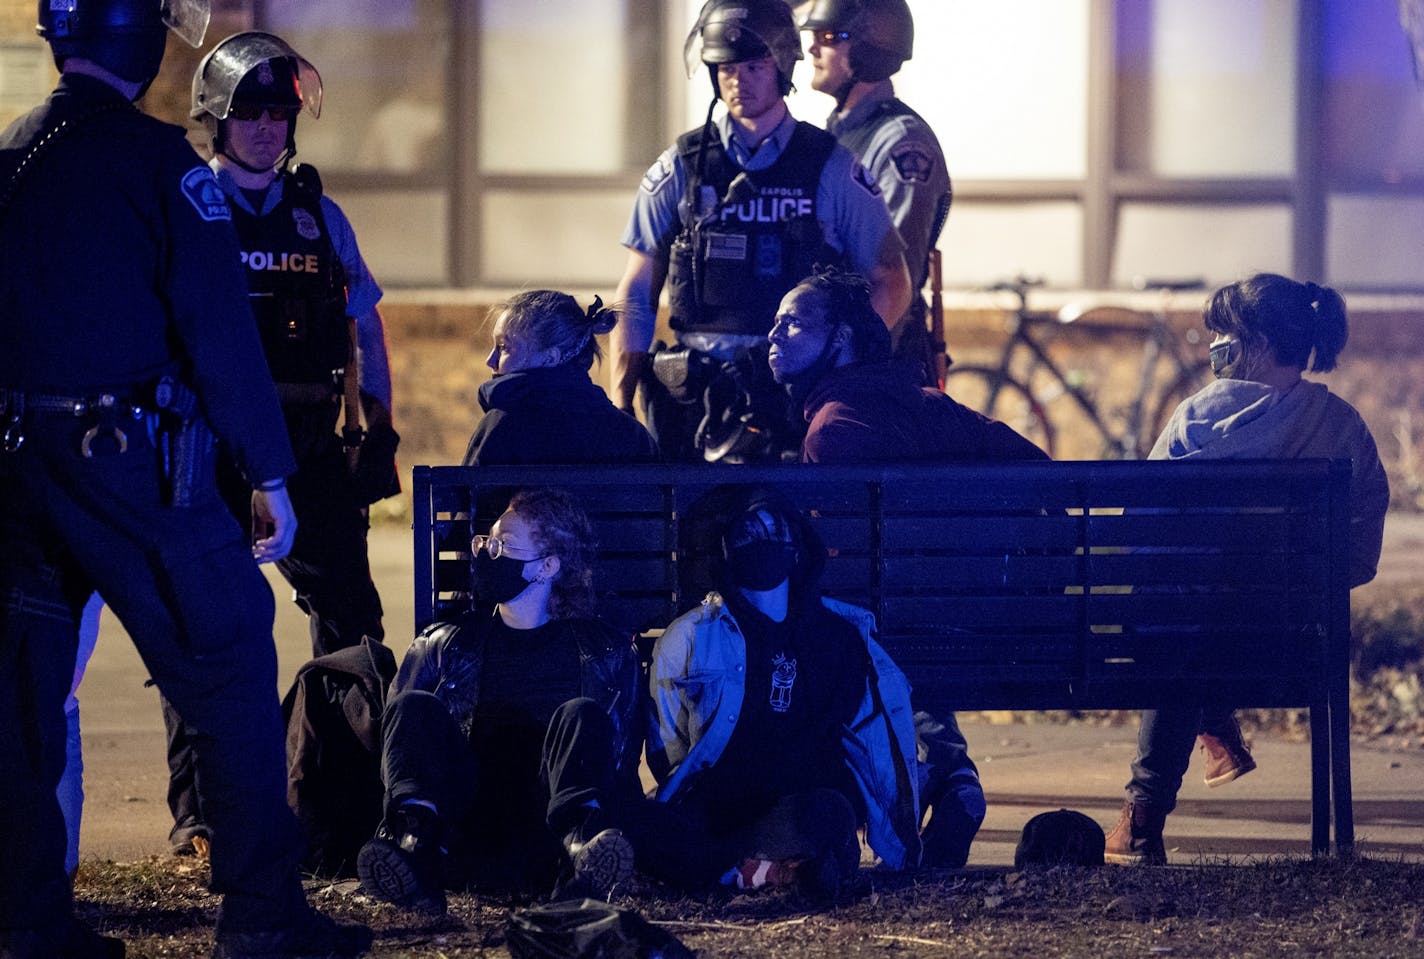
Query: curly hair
[[561, 529], [1301, 322], [550, 320]]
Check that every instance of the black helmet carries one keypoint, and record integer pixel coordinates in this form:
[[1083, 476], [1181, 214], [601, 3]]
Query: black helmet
[[882, 33], [125, 37], [254, 69], [731, 31]]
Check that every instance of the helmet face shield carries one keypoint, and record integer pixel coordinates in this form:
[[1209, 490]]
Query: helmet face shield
[[733, 31], [293, 81], [188, 19]]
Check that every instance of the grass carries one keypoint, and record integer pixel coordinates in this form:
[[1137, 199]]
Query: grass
[[1366, 908]]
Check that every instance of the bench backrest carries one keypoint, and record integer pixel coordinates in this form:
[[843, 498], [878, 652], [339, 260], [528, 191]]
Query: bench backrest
[[1033, 585]]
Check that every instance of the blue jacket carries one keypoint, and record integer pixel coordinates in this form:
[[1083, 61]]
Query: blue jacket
[[697, 682]]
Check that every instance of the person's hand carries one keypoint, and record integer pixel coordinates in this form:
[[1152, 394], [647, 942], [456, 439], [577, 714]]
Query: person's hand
[[274, 524]]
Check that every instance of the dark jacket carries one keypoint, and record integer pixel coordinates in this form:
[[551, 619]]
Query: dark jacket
[[447, 657], [554, 414], [333, 716], [874, 412]]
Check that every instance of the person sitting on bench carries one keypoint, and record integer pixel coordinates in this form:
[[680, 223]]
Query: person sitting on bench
[[1266, 330]]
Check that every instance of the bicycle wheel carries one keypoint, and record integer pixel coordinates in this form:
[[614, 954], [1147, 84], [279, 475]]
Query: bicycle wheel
[[1167, 401], [1001, 398]]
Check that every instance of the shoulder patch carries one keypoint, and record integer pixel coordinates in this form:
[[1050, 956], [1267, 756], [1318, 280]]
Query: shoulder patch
[[862, 176], [914, 162], [202, 190], [657, 176]]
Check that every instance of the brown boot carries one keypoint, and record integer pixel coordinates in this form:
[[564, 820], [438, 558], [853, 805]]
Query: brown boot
[[1227, 757], [1136, 840]]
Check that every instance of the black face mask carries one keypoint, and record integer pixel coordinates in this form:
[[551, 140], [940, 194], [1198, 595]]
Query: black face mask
[[499, 580], [761, 565]]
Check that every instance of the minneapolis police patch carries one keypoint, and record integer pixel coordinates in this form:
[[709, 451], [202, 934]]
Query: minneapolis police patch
[[202, 190], [656, 176], [913, 162]]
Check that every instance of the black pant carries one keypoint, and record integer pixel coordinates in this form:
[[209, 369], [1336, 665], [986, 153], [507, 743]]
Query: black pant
[[328, 569], [687, 843], [183, 584], [506, 801]]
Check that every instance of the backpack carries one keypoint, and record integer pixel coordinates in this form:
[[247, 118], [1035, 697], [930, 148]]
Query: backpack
[[333, 718]]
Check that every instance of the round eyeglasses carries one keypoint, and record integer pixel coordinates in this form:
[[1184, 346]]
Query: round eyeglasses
[[497, 547]]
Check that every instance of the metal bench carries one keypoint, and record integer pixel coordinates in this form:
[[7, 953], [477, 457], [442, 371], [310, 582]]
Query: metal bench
[[1068, 585]]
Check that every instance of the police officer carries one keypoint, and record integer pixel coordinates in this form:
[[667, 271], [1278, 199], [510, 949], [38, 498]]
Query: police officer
[[732, 216], [856, 46], [125, 335], [305, 275]]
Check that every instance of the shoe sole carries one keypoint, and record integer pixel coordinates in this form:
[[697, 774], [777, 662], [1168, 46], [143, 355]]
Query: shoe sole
[[1131, 859], [1231, 775], [604, 861], [386, 874]]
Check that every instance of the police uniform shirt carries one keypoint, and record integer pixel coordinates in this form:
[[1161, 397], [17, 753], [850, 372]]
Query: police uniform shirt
[[901, 152], [853, 214], [362, 290], [119, 263]]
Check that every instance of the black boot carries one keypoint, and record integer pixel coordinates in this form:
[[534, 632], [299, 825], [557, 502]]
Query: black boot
[[403, 863]]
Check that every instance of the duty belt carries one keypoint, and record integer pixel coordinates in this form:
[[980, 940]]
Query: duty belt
[[14, 404]]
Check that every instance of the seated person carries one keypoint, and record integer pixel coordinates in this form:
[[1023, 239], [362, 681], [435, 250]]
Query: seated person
[[777, 722], [1266, 330], [541, 406], [472, 783], [831, 350]]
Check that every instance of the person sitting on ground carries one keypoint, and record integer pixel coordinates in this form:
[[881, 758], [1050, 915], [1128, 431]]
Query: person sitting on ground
[[777, 722], [832, 352], [475, 792], [541, 406], [1267, 330]]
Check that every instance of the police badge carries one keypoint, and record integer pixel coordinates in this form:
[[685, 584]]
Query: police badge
[[306, 224]]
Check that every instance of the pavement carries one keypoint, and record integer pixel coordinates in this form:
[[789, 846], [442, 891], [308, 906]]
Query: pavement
[[1025, 768]]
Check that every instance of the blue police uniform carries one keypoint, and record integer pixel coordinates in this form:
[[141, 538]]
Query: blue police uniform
[[306, 275], [802, 198], [902, 153], [118, 265]]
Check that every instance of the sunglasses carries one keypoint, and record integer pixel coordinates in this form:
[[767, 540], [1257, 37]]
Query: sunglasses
[[252, 111], [829, 38]]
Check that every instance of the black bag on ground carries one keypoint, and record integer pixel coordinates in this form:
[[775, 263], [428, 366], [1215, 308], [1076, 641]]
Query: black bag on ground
[[587, 929], [333, 717], [1062, 838]]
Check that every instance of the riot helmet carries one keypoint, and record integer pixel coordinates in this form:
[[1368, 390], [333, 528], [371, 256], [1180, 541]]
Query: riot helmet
[[259, 71], [733, 31], [125, 37], [881, 33]]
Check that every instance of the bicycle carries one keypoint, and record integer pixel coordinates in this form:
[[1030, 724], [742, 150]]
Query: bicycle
[[1020, 392]]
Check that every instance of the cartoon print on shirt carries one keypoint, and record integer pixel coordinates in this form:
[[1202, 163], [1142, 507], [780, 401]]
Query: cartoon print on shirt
[[783, 677]]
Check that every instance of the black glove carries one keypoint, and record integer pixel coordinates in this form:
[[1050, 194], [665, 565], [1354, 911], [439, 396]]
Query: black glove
[[376, 476]]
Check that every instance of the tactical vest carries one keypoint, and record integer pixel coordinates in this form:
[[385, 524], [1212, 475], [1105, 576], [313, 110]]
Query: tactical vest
[[296, 286], [748, 236]]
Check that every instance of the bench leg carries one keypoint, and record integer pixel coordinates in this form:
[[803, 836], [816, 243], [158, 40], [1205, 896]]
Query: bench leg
[[1340, 774], [1319, 781]]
